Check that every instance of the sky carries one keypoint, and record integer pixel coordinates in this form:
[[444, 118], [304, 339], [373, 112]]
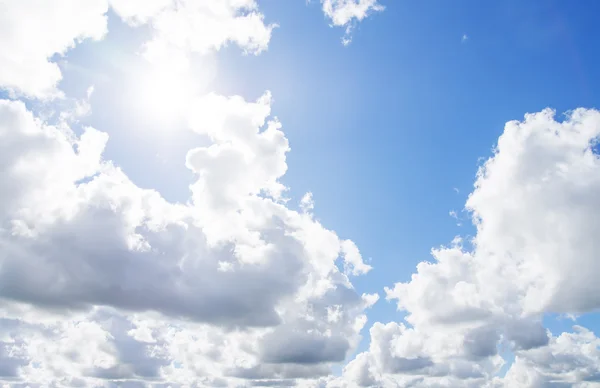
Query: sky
[[319, 194]]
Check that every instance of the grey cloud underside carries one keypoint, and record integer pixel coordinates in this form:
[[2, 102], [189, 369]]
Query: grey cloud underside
[[303, 348], [280, 371], [274, 383], [68, 270]]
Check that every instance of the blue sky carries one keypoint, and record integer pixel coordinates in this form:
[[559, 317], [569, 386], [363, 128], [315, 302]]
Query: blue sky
[[387, 133]]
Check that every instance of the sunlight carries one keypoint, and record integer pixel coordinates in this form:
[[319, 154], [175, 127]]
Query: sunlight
[[164, 95], [162, 87]]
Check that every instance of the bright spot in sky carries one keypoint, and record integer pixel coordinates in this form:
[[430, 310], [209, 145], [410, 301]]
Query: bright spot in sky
[[161, 93], [164, 95]]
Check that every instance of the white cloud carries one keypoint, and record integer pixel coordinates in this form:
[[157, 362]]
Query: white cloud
[[103, 282], [138, 12], [571, 359], [345, 13], [32, 31], [190, 27], [77, 234], [534, 205], [464, 38], [307, 204]]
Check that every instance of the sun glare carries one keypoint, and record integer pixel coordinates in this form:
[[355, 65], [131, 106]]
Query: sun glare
[[163, 83], [164, 95]]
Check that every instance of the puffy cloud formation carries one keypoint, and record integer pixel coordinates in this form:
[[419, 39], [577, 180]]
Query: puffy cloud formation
[[233, 285], [186, 27], [32, 31], [570, 360], [535, 208], [345, 13]]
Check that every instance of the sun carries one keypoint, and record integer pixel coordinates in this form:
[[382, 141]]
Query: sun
[[161, 91], [164, 95]]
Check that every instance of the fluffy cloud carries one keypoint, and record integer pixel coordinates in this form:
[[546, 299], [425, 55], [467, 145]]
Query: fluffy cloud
[[235, 281], [33, 31], [345, 13], [186, 27], [138, 12], [570, 360], [535, 208]]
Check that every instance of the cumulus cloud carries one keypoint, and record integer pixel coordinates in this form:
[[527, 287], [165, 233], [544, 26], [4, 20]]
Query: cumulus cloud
[[535, 207], [79, 238], [346, 13], [186, 27], [569, 360], [34, 32], [138, 12]]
